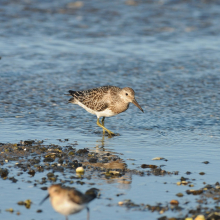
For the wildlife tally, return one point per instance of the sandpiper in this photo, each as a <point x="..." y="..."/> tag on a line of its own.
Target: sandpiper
<point x="67" y="201"/>
<point x="105" y="101"/>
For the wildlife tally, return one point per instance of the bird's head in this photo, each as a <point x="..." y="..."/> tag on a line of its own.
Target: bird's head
<point x="53" y="190"/>
<point x="128" y="95"/>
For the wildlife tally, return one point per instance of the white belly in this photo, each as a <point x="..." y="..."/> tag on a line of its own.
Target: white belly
<point x="86" y="108"/>
<point x="105" y="113"/>
<point x="68" y="208"/>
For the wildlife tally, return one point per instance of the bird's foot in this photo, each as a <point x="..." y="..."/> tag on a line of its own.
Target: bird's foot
<point x="110" y="134"/>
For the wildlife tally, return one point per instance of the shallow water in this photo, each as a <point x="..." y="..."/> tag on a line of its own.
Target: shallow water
<point x="167" y="51"/>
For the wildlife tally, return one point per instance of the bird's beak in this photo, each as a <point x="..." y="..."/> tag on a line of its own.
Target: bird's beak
<point x="135" y="103"/>
<point x="44" y="199"/>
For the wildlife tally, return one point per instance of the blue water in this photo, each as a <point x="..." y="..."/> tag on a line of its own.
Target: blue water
<point x="167" y="51"/>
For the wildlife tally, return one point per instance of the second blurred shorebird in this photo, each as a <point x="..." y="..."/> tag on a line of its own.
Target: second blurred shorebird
<point x="67" y="201"/>
<point x="105" y="101"/>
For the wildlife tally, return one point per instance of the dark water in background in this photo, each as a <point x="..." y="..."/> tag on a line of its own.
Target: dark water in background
<point x="167" y="51"/>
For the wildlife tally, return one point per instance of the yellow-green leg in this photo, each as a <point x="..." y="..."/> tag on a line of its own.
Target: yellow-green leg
<point x="104" y="128"/>
<point x="103" y="123"/>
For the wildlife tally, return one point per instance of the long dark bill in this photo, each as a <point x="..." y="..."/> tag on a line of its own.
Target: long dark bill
<point x="44" y="199"/>
<point x="135" y="103"/>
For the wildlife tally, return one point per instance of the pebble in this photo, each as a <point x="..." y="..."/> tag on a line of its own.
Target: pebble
<point x="10" y="210"/>
<point x="184" y="182"/>
<point x="114" y="172"/>
<point x="179" y="194"/>
<point x="80" y="170"/>
<point x="174" y="202"/>
<point x="158" y="158"/>
<point x="148" y="166"/>
<point x="200" y="217"/>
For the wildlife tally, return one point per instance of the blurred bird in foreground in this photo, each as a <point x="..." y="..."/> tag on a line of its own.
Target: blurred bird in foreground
<point x="67" y="201"/>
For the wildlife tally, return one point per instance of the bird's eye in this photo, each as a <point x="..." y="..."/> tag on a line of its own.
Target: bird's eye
<point x="126" y="93"/>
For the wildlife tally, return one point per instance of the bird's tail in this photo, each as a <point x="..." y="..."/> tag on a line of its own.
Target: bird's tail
<point x="92" y="194"/>
<point x="71" y="93"/>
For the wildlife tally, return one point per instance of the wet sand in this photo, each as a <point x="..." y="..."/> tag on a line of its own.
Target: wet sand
<point x="44" y="165"/>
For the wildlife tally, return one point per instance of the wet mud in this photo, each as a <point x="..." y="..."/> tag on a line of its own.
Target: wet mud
<point x="59" y="164"/>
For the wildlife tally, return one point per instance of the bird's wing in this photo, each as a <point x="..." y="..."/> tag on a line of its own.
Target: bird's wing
<point x="91" y="194"/>
<point x="76" y="197"/>
<point x="93" y="98"/>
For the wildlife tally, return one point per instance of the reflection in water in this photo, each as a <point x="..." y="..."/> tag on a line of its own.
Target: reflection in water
<point x="124" y="182"/>
<point x="115" y="170"/>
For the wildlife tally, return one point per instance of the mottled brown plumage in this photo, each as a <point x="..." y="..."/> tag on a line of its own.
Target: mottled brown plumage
<point x="97" y="99"/>
<point x="105" y="101"/>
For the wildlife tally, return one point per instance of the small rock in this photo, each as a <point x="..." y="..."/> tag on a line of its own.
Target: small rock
<point x="183" y="178"/>
<point x="93" y="160"/>
<point x="179" y="194"/>
<point x="114" y="172"/>
<point x="162" y="218"/>
<point x="31" y="172"/>
<point x="44" y="188"/>
<point x="158" y="158"/>
<point x="194" y="192"/>
<point x="4" y="172"/>
<point x="28" y="203"/>
<point x="148" y="166"/>
<point x="184" y="182"/>
<point x="200" y="217"/>
<point x="208" y="186"/>
<point x="71" y="153"/>
<point x="50" y="175"/>
<point x="82" y="151"/>
<point x="80" y="170"/>
<point x="213" y="215"/>
<point x="30" y="142"/>
<point x="21" y="203"/>
<point x="174" y="202"/>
